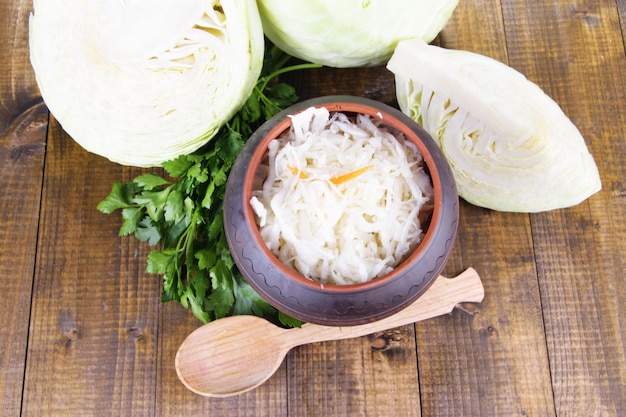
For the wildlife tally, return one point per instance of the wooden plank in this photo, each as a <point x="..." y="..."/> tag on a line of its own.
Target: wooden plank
<point x="621" y="7"/>
<point x="93" y="339"/>
<point x="23" y="121"/>
<point x="577" y="55"/>
<point x="21" y="154"/>
<point x="363" y="376"/>
<point x="17" y="80"/>
<point x="495" y="362"/>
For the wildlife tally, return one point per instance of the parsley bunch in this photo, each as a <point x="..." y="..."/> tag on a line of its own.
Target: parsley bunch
<point x="182" y="211"/>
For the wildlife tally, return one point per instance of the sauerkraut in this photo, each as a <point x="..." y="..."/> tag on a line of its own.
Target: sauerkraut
<point x="345" y="198"/>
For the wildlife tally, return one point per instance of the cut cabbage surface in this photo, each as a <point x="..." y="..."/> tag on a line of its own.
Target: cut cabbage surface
<point x="142" y="82"/>
<point x="510" y="146"/>
<point x="350" y="33"/>
<point x="344" y="199"/>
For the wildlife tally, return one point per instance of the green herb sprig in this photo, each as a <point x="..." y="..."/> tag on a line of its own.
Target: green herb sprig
<point x="182" y="211"/>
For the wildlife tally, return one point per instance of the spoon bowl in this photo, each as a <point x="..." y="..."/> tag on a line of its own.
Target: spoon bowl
<point x="204" y="361"/>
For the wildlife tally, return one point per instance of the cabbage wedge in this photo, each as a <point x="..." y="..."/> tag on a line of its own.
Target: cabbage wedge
<point x="510" y="146"/>
<point x="142" y="82"/>
<point x="350" y="33"/>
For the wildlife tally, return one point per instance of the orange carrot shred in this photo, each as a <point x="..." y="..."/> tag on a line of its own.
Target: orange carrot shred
<point x="296" y="171"/>
<point x="350" y="175"/>
<point x="335" y="180"/>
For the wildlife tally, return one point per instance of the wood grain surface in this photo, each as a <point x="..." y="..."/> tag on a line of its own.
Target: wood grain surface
<point x="84" y="332"/>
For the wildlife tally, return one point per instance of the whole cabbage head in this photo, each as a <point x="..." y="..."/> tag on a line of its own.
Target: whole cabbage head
<point x="350" y="33"/>
<point x="141" y="82"/>
<point x="510" y="146"/>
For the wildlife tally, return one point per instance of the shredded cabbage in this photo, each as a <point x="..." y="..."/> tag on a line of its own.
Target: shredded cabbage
<point x="142" y="82"/>
<point x="350" y="33"/>
<point x="510" y="146"/>
<point x="345" y="197"/>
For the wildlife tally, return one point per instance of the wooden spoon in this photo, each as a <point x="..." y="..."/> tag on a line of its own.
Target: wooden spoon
<point x="235" y="354"/>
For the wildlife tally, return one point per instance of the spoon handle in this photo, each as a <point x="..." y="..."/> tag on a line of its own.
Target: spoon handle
<point x="441" y="298"/>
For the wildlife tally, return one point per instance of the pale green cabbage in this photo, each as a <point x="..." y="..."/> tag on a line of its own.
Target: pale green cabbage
<point x="141" y="82"/>
<point x="510" y="146"/>
<point x="350" y="33"/>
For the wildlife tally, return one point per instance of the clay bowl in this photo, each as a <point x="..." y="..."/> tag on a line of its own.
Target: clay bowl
<point x="339" y="305"/>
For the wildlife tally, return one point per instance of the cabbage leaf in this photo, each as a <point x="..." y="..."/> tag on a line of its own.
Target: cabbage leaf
<point x="510" y="145"/>
<point x="350" y="33"/>
<point x="143" y="82"/>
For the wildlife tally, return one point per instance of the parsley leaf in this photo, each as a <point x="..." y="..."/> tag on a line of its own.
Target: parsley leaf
<point x="121" y="197"/>
<point x="150" y="181"/>
<point x="132" y="216"/>
<point x="183" y="211"/>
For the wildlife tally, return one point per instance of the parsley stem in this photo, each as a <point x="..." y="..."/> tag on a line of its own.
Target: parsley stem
<point x="265" y="80"/>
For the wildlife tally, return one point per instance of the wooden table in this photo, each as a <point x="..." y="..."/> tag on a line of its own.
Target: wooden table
<point x="84" y="332"/>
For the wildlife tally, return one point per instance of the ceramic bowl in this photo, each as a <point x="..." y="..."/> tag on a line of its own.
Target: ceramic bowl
<point x="339" y="305"/>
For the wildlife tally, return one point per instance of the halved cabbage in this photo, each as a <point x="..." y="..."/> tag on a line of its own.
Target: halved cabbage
<point x="510" y="146"/>
<point x="350" y="33"/>
<point x="141" y="82"/>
